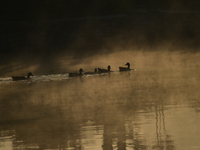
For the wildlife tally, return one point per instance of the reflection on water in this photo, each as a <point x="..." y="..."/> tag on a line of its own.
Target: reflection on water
<point x="138" y="110"/>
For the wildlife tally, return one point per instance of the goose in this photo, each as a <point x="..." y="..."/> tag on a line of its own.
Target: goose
<point x="125" y="68"/>
<point x="95" y="72"/>
<point x="104" y="70"/>
<point x="76" y="74"/>
<point x="15" y="78"/>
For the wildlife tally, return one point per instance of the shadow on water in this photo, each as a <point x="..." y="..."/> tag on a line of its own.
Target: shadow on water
<point x="125" y="110"/>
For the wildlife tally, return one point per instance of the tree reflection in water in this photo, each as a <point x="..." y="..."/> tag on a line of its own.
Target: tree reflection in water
<point x="52" y="132"/>
<point x="65" y="125"/>
<point x="163" y="139"/>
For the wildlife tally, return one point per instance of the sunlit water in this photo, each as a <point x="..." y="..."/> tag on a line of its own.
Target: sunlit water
<point x="136" y="110"/>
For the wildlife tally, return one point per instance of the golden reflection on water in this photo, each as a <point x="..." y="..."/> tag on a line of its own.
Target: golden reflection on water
<point x="127" y="110"/>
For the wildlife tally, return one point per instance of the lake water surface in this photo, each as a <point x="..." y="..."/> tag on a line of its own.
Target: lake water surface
<point x="136" y="110"/>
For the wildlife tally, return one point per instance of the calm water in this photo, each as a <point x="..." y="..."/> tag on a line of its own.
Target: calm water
<point x="137" y="110"/>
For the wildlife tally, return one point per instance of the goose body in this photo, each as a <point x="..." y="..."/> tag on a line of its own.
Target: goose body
<point x="16" y="78"/>
<point x="76" y="74"/>
<point x="104" y="70"/>
<point x="125" y="68"/>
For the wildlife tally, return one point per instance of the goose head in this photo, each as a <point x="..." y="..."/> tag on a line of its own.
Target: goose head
<point x="95" y="70"/>
<point x="109" y="67"/>
<point x="128" y="64"/>
<point x="80" y="71"/>
<point x="29" y="74"/>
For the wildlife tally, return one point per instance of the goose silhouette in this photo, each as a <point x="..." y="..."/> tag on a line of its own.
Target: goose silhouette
<point x="76" y="74"/>
<point x="104" y="70"/>
<point x="15" y="78"/>
<point x="125" y="68"/>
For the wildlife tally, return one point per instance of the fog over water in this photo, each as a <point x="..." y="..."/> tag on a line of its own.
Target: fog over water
<point x="145" y="109"/>
<point x="153" y="107"/>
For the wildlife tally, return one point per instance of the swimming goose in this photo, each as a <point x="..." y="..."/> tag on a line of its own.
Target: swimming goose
<point x="95" y="72"/>
<point x="104" y="70"/>
<point x="76" y="74"/>
<point x="15" y="78"/>
<point x="124" y="68"/>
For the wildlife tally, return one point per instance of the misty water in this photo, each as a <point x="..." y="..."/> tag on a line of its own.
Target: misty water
<point x="145" y="109"/>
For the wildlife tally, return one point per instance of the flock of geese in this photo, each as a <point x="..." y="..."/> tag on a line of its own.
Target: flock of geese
<point x="96" y="71"/>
